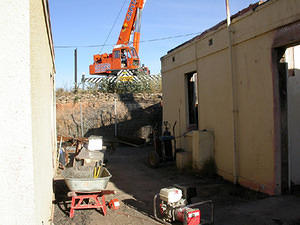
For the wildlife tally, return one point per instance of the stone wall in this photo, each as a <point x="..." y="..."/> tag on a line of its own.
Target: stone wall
<point x="96" y="112"/>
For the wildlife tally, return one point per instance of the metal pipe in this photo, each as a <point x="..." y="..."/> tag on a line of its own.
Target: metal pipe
<point x="174" y="152"/>
<point x="116" y="120"/>
<point x="288" y="121"/>
<point x="234" y="97"/>
<point x="197" y="85"/>
<point x="83" y="80"/>
<point x="154" y="211"/>
<point x="81" y="120"/>
<point x="154" y="206"/>
<point x="228" y="12"/>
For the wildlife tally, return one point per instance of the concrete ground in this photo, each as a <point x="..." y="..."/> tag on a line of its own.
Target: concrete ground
<point x="136" y="184"/>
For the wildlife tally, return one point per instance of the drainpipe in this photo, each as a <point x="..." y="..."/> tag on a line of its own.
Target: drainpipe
<point x="234" y="97"/>
<point x="197" y="82"/>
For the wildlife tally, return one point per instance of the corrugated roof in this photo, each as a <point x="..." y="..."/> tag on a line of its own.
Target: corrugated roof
<point x="240" y="13"/>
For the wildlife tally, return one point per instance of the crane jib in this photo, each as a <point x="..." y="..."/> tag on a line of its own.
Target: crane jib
<point x="130" y="11"/>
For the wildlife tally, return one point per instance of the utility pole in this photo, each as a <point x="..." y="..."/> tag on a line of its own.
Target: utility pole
<point x="75" y="68"/>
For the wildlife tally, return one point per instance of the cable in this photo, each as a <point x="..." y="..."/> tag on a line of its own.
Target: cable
<point x="116" y="19"/>
<point x="145" y="41"/>
<point x="171" y="37"/>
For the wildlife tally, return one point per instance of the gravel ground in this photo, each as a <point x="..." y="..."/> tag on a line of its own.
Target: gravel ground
<point x="136" y="184"/>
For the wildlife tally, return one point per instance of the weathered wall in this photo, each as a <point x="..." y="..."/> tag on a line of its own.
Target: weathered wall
<point x="134" y="113"/>
<point x="27" y="117"/>
<point x="16" y="170"/>
<point x="253" y="34"/>
<point x="43" y="111"/>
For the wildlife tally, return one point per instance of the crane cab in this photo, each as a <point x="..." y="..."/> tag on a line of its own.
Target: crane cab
<point x="125" y="58"/>
<point x="122" y="58"/>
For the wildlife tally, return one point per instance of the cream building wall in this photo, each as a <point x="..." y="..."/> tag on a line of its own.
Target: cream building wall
<point x="27" y="113"/>
<point x="16" y="160"/>
<point x="253" y="36"/>
<point x="43" y="109"/>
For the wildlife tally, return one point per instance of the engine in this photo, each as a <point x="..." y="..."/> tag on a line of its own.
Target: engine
<point x="173" y="207"/>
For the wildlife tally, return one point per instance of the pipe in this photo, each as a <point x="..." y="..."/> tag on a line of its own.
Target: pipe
<point x="228" y="13"/>
<point x="288" y="122"/>
<point x="81" y="120"/>
<point x="197" y="84"/>
<point x="154" y="211"/>
<point x="83" y="80"/>
<point x="174" y="152"/>
<point x="116" y="120"/>
<point x="234" y="97"/>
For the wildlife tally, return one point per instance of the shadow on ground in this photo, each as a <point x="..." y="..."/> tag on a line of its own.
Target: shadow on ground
<point x="234" y="204"/>
<point x="136" y="185"/>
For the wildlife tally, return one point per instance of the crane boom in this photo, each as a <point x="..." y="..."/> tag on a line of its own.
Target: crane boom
<point x="132" y="23"/>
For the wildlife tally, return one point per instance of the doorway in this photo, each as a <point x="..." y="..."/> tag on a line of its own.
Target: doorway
<point x="288" y="66"/>
<point x="192" y="100"/>
<point x="292" y="57"/>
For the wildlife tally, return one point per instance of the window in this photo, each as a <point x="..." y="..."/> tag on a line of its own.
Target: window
<point x="133" y="52"/>
<point x="192" y="100"/>
<point x="117" y="54"/>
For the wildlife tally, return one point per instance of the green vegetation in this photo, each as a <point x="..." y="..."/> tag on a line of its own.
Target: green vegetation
<point x="140" y="84"/>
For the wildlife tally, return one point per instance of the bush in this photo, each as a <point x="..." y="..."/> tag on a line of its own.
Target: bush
<point x="138" y="85"/>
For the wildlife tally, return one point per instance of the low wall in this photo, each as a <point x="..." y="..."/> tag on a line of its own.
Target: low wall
<point x="95" y="112"/>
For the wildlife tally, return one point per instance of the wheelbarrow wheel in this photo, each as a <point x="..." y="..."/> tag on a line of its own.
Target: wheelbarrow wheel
<point x="153" y="159"/>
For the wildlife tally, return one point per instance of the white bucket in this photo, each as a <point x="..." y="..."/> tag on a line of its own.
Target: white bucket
<point x="95" y="143"/>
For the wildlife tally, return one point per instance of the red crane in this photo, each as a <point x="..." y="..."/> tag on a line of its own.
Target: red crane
<point x="125" y="53"/>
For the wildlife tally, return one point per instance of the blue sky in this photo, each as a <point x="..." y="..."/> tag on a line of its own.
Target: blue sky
<point x="88" y="22"/>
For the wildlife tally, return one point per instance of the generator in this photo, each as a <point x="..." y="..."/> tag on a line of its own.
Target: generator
<point x="173" y="207"/>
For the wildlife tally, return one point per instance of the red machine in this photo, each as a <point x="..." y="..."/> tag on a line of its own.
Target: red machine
<point x="173" y="207"/>
<point x="124" y="55"/>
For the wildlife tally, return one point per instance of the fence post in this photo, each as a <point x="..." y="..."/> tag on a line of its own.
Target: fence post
<point x="81" y="119"/>
<point x="116" y="120"/>
<point x="83" y="80"/>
